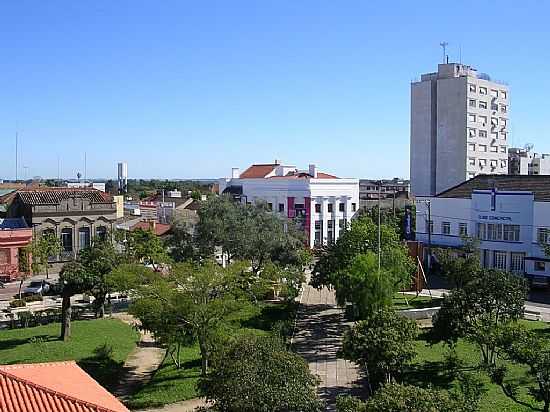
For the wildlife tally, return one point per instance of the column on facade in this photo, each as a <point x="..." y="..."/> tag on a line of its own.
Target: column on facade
<point x="324" y="219"/>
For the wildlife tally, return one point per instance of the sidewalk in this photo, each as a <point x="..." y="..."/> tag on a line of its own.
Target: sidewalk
<point x="318" y="338"/>
<point x="542" y="309"/>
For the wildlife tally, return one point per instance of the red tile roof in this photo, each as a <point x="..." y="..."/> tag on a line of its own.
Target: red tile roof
<point x="53" y="195"/>
<point x="321" y="175"/>
<point x="258" y="171"/>
<point x="53" y="387"/>
<point x="160" y="229"/>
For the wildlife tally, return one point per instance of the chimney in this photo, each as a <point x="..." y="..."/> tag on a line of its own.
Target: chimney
<point x="313" y="171"/>
<point x="235" y="173"/>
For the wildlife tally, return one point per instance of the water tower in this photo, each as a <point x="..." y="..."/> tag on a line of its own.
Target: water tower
<point x="122" y="177"/>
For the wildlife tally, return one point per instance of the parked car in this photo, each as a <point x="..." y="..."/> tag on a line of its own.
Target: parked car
<point x="37" y="287"/>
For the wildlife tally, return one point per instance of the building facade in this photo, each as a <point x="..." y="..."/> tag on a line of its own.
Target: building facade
<point x="459" y="128"/>
<point x="75" y="216"/>
<point x="509" y="215"/>
<point x="15" y="235"/>
<point x="322" y="204"/>
<point x="523" y="161"/>
<point x="386" y="188"/>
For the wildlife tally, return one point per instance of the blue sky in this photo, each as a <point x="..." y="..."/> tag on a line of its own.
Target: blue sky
<point x="189" y="89"/>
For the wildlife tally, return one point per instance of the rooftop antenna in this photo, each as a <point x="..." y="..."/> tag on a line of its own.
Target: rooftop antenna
<point x="460" y="53"/>
<point x="444" y="45"/>
<point x="58" y="170"/>
<point x="85" y="167"/>
<point x="16" y="155"/>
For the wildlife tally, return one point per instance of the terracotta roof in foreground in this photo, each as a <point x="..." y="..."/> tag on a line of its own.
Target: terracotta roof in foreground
<point x="539" y="185"/>
<point x="53" y="387"/>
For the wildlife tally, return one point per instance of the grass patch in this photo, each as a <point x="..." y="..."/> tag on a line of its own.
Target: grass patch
<point x="169" y="384"/>
<point x="405" y="301"/>
<point x="100" y="346"/>
<point x="428" y="369"/>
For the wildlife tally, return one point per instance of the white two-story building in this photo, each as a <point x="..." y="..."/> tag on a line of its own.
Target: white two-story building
<point x="510" y="215"/>
<point x="322" y="204"/>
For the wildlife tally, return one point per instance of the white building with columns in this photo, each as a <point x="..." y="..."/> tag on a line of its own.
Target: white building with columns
<point x="321" y="203"/>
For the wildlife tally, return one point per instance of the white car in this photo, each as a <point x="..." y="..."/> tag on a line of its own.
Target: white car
<point x="37" y="287"/>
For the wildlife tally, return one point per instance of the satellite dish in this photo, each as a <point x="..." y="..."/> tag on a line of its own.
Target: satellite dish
<point x="528" y="146"/>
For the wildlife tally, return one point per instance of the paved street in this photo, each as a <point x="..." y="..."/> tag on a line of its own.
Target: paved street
<point x="10" y="289"/>
<point x="319" y="330"/>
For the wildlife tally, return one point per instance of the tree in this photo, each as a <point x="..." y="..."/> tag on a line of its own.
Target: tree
<point x="480" y="310"/>
<point x="363" y="285"/>
<point x="392" y="397"/>
<point x="145" y="247"/>
<point x="525" y="347"/>
<point x="258" y="374"/>
<point x="41" y="249"/>
<point x="180" y="244"/>
<point x="460" y="266"/>
<point x="98" y="260"/>
<point x="75" y="279"/>
<point x="382" y="344"/>
<point x="248" y="232"/>
<point x="356" y="279"/>
<point x="193" y="301"/>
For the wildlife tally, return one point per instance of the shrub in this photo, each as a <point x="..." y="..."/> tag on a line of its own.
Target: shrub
<point x="18" y="303"/>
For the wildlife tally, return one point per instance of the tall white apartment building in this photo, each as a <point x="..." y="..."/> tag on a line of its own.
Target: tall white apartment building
<point x="322" y="204"/>
<point x="459" y="128"/>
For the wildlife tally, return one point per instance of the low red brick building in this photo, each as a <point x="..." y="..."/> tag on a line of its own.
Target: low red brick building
<point x="15" y="235"/>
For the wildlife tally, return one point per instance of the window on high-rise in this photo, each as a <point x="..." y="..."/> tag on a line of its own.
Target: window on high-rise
<point x="472" y="161"/>
<point x="472" y="147"/>
<point x="503" y="108"/>
<point x="503" y="163"/>
<point x="494" y="149"/>
<point x="471" y="117"/>
<point x="483" y="120"/>
<point x="471" y="132"/>
<point x="472" y="88"/>
<point x="482" y="90"/>
<point x="482" y="148"/>
<point x="446" y="228"/>
<point x="472" y="103"/>
<point x="503" y="94"/>
<point x="483" y="162"/>
<point x="482" y="104"/>
<point x="483" y="133"/>
<point x="494" y="93"/>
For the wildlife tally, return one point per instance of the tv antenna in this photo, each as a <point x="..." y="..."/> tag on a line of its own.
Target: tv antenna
<point x="444" y="45"/>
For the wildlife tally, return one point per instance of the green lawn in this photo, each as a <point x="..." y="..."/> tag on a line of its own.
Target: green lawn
<point x="428" y="369"/>
<point x="170" y="384"/>
<point x="100" y="346"/>
<point x="405" y="301"/>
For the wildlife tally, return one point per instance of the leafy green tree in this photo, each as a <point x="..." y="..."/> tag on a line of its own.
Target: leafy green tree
<point x="41" y="249"/>
<point x="99" y="259"/>
<point x="480" y="310"/>
<point x="180" y="243"/>
<point x="145" y="247"/>
<point x="460" y="266"/>
<point x="248" y="232"/>
<point x="193" y="301"/>
<point x="365" y="286"/>
<point x="381" y="344"/>
<point x="357" y="279"/>
<point x="258" y="374"/>
<point x="394" y="397"/>
<point x="526" y="347"/>
<point x="75" y="279"/>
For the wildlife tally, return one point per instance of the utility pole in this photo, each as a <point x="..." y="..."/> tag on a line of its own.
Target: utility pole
<point x="16" y="156"/>
<point x="379" y="229"/>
